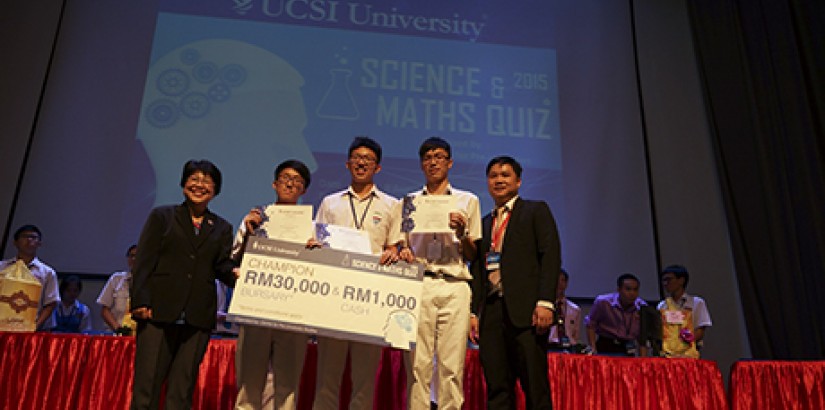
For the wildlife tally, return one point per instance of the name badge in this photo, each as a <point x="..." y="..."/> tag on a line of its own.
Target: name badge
<point x="674" y="317"/>
<point x="630" y="346"/>
<point x="493" y="261"/>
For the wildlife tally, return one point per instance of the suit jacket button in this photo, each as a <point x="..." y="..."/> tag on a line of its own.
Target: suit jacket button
<point x="191" y="256"/>
<point x="189" y="276"/>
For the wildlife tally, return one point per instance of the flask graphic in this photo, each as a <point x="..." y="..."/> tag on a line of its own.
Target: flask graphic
<point x="338" y="103"/>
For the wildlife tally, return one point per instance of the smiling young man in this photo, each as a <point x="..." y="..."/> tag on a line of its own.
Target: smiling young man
<point x="445" y="300"/>
<point x="514" y="286"/>
<point x="262" y="348"/>
<point x="364" y="207"/>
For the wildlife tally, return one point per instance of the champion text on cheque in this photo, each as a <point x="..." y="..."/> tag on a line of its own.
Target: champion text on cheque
<point x="329" y="292"/>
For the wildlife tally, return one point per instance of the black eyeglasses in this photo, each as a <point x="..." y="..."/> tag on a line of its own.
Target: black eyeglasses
<point x="435" y="158"/>
<point x="203" y="180"/>
<point x="366" y="158"/>
<point x="296" y="179"/>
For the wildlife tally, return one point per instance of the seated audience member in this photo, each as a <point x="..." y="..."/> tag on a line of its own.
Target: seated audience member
<point x="614" y="320"/>
<point x="564" y="334"/>
<point x="684" y="317"/>
<point x="27" y="239"/>
<point x="70" y="315"/>
<point x="114" y="298"/>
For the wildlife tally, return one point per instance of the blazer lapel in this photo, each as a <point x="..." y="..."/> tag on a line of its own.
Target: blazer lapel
<point x="207" y="226"/>
<point x="514" y="220"/>
<point x="486" y="228"/>
<point x="184" y="220"/>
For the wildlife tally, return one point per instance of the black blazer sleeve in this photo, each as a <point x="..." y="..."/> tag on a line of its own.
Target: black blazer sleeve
<point x="149" y="245"/>
<point x="478" y="284"/>
<point x="549" y="251"/>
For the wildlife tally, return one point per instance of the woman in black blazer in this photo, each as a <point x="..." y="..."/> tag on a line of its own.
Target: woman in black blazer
<point x="182" y="250"/>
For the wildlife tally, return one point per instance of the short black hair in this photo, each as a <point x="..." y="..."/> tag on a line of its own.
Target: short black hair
<point x="505" y="160"/>
<point x="678" y="271"/>
<point x="27" y="228"/>
<point x="625" y="276"/>
<point x="434" y="143"/>
<point x="68" y="280"/>
<point x="130" y="250"/>
<point x="366" y="142"/>
<point x="564" y="273"/>
<point x="205" y="166"/>
<point x="298" y="166"/>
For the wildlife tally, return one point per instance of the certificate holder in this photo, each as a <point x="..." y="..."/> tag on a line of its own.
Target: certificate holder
<point x="432" y="213"/>
<point x="343" y="238"/>
<point x="292" y="223"/>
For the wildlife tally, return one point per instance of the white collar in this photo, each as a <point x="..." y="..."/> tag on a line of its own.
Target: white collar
<point x="507" y="205"/>
<point x="373" y="192"/>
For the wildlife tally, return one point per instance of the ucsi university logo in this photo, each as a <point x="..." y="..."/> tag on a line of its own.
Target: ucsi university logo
<point x="315" y="10"/>
<point x="365" y="14"/>
<point x="242" y="6"/>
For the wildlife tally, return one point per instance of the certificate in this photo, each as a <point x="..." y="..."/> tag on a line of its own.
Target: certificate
<point x="291" y="223"/>
<point x="431" y="213"/>
<point x="343" y="238"/>
<point x="328" y="292"/>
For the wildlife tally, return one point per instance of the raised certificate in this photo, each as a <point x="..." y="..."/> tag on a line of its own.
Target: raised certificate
<point x="431" y="213"/>
<point x="343" y="238"/>
<point x="291" y="223"/>
<point x="328" y="292"/>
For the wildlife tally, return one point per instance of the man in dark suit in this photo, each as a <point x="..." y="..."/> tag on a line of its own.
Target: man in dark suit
<point x="182" y="250"/>
<point x="514" y="284"/>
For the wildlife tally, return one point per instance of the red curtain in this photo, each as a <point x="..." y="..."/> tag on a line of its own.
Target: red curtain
<point x="586" y="382"/>
<point x="40" y="370"/>
<point x="777" y="385"/>
<point x="216" y="380"/>
<point x="95" y="372"/>
<point x="106" y="380"/>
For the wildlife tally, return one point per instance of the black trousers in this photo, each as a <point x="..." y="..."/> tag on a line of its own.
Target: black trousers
<point x="510" y="353"/>
<point x="170" y="352"/>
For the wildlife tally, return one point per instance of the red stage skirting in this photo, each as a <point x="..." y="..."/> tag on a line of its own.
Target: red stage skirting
<point x="94" y="372"/>
<point x="777" y="385"/>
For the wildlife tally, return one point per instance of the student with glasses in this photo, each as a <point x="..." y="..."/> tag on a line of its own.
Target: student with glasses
<point x="444" y="318"/>
<point x="27" y="240"/>
<point x="261" y="349"/>
<point x="685" y="317"/>
<point x="364" y="207"/>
